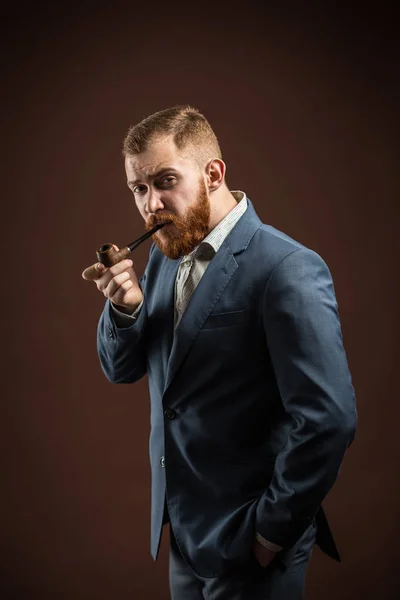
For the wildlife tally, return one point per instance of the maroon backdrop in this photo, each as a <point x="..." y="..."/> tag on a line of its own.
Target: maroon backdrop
<point x="304" y="105"/>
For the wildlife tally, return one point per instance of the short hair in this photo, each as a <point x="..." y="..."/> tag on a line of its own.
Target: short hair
<point x="189" y="127"/>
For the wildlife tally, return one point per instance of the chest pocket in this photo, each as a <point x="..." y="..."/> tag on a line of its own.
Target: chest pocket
<point x="226" y="319"/>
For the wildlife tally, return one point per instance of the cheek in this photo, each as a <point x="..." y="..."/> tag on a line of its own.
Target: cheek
<point x="140" y="207"/>
<point x="173" y="203"/>
<point x="180" y="202"/>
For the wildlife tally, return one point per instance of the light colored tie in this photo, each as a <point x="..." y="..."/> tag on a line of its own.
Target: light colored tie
<point x="191" y="270"/>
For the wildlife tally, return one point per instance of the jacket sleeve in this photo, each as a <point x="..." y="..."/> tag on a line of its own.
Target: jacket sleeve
<point x="305" y="343"/>
<point x="122" y="350"/>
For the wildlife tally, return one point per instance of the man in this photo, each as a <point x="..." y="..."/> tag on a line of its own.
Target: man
<point x="252" y="406"/>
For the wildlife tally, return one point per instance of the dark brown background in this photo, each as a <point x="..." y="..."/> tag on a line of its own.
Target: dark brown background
<point x="304" y="104"/>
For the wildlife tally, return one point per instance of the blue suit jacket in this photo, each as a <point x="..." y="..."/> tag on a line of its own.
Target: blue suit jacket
<point x="252" y="406"/>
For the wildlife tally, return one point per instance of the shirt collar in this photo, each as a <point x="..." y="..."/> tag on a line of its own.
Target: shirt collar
<point x="213" y="241"/>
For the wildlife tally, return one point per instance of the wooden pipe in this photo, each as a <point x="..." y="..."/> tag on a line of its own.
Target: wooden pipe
<point x="108" y="256"/>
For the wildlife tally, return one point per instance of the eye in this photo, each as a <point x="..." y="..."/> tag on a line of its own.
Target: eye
<point x="168" y="181"/>
<point x="138" y="189"/>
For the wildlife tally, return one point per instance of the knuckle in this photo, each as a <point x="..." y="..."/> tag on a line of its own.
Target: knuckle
<point x="114" y="270"/>
<point x="121" y="277"/>
<point x="120" y="267"/>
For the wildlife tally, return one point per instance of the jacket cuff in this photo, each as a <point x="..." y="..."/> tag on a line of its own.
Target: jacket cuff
<point x="123" y="319"/>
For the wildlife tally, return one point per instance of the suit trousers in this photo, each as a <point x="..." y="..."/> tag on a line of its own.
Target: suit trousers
<point x="252" y="581"/>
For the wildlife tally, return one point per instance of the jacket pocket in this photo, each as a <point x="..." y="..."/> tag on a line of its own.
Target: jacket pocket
<point x="227" y="319"/>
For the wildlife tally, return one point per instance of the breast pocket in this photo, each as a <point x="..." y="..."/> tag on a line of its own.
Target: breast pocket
<point x="226" y="319"/>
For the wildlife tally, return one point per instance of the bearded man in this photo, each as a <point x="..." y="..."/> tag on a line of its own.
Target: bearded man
<point x="252" y="406"/>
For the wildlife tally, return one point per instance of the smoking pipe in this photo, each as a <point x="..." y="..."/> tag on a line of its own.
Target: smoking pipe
<point x="108" y="256"/>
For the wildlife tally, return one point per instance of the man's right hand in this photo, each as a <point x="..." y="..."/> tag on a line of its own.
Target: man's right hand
<point x="120" y="284"/>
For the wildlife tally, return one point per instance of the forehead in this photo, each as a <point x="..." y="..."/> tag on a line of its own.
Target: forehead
<point x="159" y="155"/>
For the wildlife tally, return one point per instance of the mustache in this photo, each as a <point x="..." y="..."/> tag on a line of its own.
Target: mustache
<point x="154" y="220"/>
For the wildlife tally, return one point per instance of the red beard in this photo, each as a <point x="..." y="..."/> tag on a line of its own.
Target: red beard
<point x="192" y="228"/>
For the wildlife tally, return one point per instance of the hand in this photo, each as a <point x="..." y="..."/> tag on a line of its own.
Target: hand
<point x="120" y="284"/>
<point x="263" y="554"/>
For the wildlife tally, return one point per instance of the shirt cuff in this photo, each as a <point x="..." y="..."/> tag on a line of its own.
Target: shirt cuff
<point x="267" y="544"/>
<point x="123" y="319"/>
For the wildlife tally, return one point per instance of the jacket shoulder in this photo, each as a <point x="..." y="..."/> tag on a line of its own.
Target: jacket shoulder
<point x="273" y="245"/>
<point x="270" y="236"/>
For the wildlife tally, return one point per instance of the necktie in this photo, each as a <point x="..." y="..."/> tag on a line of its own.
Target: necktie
<point x="191" y="270"/>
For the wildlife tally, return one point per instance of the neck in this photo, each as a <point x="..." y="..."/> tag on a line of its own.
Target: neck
<point x="222" y="202"/>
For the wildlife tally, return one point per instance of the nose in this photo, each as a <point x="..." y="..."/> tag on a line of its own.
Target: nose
<point x="153" y="202"/>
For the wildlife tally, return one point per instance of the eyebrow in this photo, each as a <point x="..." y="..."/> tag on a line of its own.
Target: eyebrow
<point x="154" y="175"/>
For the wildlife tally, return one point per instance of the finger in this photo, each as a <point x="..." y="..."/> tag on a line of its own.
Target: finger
<point x="124" y="266"/>
<point x="101" y="269"/>
<point x="103" y="278"/>
<point x="115" y="283"/>
<point x="91" y="273"/>
<point x="120" y="266"/>
<point x="118" y="297"/>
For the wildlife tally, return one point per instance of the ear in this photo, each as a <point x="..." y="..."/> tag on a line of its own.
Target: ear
<point x="215" y="174"/>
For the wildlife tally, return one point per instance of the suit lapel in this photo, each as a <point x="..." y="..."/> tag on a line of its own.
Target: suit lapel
<point x="163" y="290"/>
<point x="210" y="287"/>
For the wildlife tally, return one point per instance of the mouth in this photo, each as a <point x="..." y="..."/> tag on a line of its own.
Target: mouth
<point x="155" y="228"/>
<point x="165" y="224"/>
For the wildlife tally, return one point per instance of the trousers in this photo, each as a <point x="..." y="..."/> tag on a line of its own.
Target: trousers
<point x="252" y="581"/>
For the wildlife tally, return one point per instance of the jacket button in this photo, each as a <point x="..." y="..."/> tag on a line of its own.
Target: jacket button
<point x="169" y="414"/>
<point x="162" y="461"/>
<point x="110" y="333"/>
